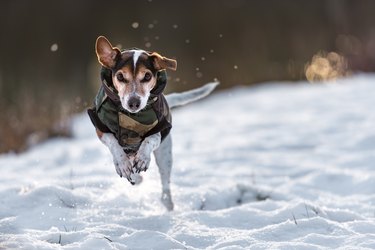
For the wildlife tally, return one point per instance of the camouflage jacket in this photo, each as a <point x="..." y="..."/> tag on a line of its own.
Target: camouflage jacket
<point x="130" y="129"/>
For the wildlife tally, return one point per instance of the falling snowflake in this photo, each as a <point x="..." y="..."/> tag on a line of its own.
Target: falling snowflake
<point x="135" y="25"/>
<point x="54" y="47"/>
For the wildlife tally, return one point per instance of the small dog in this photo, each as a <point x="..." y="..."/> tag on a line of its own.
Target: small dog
<point x="132" y="116"/>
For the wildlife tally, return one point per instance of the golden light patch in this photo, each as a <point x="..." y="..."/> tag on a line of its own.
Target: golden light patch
<point x="326" y="66"/>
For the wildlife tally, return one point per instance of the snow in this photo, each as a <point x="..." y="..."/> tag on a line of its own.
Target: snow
<point x="279" y="166"/>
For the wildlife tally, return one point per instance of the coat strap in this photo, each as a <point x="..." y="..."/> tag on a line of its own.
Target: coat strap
<point x="112" y="95"/>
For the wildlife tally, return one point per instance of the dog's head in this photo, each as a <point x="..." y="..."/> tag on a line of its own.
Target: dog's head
<point x="133" y="72"/>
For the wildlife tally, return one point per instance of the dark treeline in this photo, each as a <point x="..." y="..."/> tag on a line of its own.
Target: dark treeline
<point x="48" y="66"/>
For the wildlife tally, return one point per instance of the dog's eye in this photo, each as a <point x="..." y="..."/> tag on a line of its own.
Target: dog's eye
<point x="147" y="77"/>
<point x="120" y="77"/>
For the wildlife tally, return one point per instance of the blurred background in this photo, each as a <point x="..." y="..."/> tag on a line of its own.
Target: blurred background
<point x="48" y="66"/>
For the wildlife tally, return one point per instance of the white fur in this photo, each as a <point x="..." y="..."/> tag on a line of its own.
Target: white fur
<point x="120" y="159"/>
<point x="143" y="156"/>
<point x="128" y="165"/>
<point x="144" y="100"/>
<point x="164" y="160"/>
<point x="124" y="102"/>
<point x="125" y="99"/>
<point x="136" y="54"/>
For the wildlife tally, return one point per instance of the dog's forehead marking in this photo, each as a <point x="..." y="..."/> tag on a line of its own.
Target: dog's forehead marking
<point x="136" y="54"/>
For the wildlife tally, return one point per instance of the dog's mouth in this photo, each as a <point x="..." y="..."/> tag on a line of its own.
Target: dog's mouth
<point x="133" y="110"/>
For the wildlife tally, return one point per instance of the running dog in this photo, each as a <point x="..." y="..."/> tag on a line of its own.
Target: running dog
<point x="132" y="116"/>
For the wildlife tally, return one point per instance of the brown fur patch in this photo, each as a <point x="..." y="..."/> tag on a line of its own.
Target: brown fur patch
<point x="143" y="87"/>
<point x="99" y="133"/>
<point x="126" y="87"/>
<point x="162" y="62"/>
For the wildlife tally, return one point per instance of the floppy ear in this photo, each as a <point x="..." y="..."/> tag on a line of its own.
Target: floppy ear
<point x="161" y="62"/>
<point x="105" y="52"/>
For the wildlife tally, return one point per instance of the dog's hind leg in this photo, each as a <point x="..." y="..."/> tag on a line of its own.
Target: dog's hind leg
<point x="163" y="158"/>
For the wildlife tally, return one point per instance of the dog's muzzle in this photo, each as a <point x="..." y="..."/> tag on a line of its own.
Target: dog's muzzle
<point x="134" y="103"/>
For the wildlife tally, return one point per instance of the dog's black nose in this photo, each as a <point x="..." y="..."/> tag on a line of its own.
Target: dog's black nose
<point x="134" y="102"/>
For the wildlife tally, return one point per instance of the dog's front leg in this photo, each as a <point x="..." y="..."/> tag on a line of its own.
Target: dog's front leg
<point x="120" y="159"/>
<point x="143" y="157"/>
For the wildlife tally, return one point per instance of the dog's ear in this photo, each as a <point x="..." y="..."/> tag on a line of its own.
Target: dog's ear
<point x="161" y="62"/>
<point x="106" y="52"/>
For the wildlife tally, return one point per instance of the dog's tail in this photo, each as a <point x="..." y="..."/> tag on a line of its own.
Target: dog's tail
<point x="180" y="99"/>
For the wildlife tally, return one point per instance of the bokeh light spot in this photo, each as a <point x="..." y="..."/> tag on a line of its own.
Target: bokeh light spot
<point x="135" y="25"/>
<point x="326" y="66"/>
<point x="54" y="47"/>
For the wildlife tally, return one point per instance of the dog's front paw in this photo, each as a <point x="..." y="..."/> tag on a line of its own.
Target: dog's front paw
<point x="141" y="162"/>
<point x="123" y="167"/>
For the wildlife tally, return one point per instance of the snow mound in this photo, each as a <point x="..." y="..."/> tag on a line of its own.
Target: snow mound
<point x="280" y="166"/>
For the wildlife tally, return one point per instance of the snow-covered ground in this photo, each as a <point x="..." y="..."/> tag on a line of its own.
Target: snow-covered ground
<point x="278" y="166"/>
